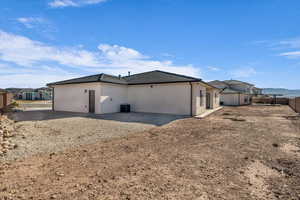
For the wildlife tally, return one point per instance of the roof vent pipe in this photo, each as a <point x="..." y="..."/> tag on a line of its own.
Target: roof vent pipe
<point x="128" y="73"/>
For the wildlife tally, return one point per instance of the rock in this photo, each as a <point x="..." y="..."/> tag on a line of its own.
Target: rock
<point x="59" y="174"/>
<point x="275" y="145"/>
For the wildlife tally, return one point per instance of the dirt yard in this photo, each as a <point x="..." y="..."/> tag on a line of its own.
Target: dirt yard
<point x="250" y="152"/>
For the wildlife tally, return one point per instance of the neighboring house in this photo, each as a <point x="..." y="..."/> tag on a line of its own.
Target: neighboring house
<point x="231" y="97"/>
<point x="149" y="92"/>
<point x="241" y="86"/>
<point x="35" y="94"/>
<point x="235" y="93"/>
<point x="6" y="98"/>
<point x="257" y="91"/>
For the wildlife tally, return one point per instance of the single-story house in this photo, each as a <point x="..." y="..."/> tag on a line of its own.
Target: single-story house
<point x="235" y="93"/>
<point x="34" y="94"/>
<point x="257" y="91"/>
<point x="231" y="97"/>
<point x="149" y="92"/>
<point x="6" y="98"/>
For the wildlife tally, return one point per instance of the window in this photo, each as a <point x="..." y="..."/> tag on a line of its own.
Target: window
<point x="201" y="98"/>
<point x="28" y="96"/>
<point x="216" y="96"/>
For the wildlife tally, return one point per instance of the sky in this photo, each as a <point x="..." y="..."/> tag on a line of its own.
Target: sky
<point x="257" y="41"/>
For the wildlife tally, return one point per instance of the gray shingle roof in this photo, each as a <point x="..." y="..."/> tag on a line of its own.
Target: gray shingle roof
<point x="158" y="77"/>
<point x="230" y="91"/>
<point x="218" y="84"/>
<point x="237" y="82"/>
<point x="142" y="78"/>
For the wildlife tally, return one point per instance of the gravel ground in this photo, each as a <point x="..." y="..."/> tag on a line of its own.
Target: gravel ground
<point x="49" y="132"/>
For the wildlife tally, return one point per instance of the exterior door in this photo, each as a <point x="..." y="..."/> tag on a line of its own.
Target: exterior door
<point x="208" y="100"/>
<point x="5" y="99"/>
<point x="92" y="101"/>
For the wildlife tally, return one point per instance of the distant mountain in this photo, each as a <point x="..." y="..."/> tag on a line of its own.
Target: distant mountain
<point x="13" y="90"/>
<point x="284" y="92"/>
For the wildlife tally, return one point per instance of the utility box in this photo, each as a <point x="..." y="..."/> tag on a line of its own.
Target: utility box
<point x="125" y="108"/>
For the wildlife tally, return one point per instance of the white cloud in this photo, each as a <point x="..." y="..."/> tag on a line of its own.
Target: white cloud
<point x="292" y="54"/>
<point x="26" y="52"/>
<point x="167" y="55"/>
<point x="213" y="68"/>
<point x="290" y="43"/>
<point x="31" y="22"/>
<point x="112" y="59"/>
<point x="11" y="76"/>
<point x="243" y="72"/>
<point x="73" y="3"/>
<point x="30" y="80"/>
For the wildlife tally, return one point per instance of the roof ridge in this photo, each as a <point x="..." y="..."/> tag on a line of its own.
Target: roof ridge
<point x="100" y="76"/>
<point x="179" y="75"/>
<point x="239" y="81"/>
<point x="170" y="73"/>
<point x="138" y="74"/>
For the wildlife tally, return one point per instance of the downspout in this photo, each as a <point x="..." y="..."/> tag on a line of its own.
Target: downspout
<point x="191" y="107"/>
<point x="239" y="98"/>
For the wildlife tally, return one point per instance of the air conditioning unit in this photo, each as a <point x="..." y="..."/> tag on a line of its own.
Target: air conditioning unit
<point x="125" y="108"/>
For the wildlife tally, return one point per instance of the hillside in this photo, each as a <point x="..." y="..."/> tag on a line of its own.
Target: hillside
<point x="283" y="91"/>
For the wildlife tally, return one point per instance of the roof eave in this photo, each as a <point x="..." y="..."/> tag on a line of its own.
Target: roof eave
<point x="160" y="82"/>
<point x="56" y="84"/>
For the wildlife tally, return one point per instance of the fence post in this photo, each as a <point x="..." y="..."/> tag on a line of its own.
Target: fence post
<point x="296" y="104"/>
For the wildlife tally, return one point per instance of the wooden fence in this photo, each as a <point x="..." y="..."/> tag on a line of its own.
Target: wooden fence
<point x="269" y="100"/>
<point x="295" y="104"/>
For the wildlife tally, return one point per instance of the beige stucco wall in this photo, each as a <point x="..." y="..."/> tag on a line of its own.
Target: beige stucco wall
<point x="230" y="99"/>
<point x="73" y="97"/>
<point x="234" y="99"/>
<point x="199" y="103"/>
<point x="172" y="98"/>
<point x="112" y="96"/>
<point x="216" y="98"/>
<point x="10" y="98"/>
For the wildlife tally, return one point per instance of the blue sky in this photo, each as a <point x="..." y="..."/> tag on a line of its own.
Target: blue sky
<point x="49" y="40"/>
